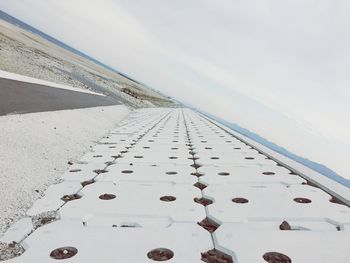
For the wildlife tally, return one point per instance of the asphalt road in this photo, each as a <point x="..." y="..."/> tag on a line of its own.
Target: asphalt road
<point x="22" y="97"/>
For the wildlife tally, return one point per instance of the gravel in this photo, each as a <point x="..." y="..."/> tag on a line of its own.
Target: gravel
<point x="8" y="251"/>
<point x="35" y="149"/>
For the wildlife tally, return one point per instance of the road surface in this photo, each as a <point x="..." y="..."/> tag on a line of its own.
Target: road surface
<point x="22" y="97"/>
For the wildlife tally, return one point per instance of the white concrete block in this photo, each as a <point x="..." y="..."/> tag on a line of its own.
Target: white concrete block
<point x="143" y="199"/>
<point x="247" y="244"/>
<point x="18" y="231"/>
<point x="241" y="202"/>
<point x="171" y="173"/>
<point x="107" y="244"/>
<point x="52" y="199"/>
<point x="247" y="174"/>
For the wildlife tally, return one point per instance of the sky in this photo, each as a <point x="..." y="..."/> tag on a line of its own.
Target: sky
<point x="277" y="68"/>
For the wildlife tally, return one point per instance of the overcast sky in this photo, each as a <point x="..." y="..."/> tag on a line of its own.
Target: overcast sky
<point x="278" y="68"/>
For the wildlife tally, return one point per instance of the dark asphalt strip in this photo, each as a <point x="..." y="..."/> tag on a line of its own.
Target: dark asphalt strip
<point x="23" y="97"/>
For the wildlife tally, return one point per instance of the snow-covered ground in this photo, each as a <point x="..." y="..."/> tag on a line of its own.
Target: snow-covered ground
<point x="36" y="148"/>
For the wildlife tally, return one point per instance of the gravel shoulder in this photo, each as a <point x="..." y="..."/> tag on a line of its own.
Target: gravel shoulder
<point x="36" y="147"/>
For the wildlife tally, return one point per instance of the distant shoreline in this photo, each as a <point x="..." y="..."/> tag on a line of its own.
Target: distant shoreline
<point x="320" y="168"/>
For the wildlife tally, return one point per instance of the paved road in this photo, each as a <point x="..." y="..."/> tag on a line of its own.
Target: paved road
<point x="23" y="97"/>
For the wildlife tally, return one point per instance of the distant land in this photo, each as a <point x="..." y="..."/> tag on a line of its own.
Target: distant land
<point x="320" y="168"/>
<point x="10" y="19"/>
